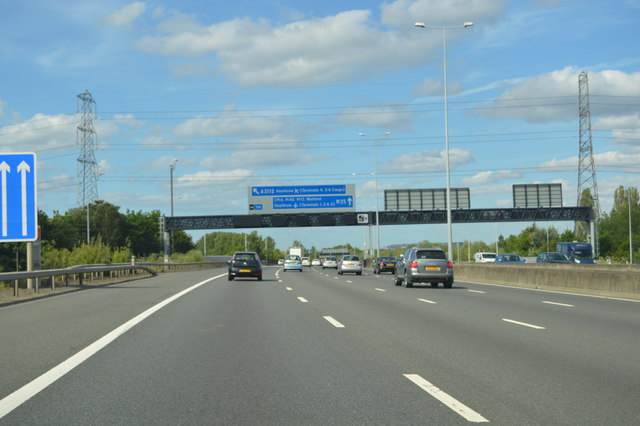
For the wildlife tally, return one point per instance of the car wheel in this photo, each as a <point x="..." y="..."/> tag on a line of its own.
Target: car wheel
<point x="300" y="269"/>
<point x="434" y="285"/>
<point x="230" y="277"/>
<point x="448" y="283"/>
<point x="259" y="277"/>
<point x="396" y="281"/>
<point x="358" y="273"/>
<point x="408" y="282"/>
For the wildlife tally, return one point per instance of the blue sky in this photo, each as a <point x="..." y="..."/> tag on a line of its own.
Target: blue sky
<point x="277" y="92"/>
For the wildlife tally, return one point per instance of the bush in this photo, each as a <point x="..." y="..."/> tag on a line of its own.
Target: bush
<point x="121" y="255"/>
<point x="86" y="254"/>
<point x="188" y="257"/>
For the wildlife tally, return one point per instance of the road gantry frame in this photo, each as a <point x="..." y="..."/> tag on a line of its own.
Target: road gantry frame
<point x="409" y="217"/>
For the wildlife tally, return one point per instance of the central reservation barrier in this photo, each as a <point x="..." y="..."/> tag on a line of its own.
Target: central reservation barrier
<point x="621" y="281"/>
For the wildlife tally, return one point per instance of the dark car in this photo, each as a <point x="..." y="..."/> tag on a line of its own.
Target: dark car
<point x="424" y="265"/>
<point x="553" y="257"/>
<point x="384" y="264"/>
<point x="245" y="264"/>
<point x="509" y="258"/>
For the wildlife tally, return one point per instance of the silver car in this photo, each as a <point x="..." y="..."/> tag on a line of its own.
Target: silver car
<point x="424" y="265"/>
<point x="330" y="262"/>
<point x="350" y="263"/>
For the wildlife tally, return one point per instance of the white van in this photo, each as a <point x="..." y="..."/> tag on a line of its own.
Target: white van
<point x="485" y="257"/>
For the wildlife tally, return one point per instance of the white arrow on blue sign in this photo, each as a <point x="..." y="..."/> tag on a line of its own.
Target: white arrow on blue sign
<point x="18" y="197"/>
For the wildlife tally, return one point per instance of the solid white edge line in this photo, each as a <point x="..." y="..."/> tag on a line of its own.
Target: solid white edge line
<point x="20" y="396"/>
<point x="302" y="299"/>
<point x="477" y="291"/>
<point x="428" y="301"/>
<point x="537" y="327"/>
<point x="334" y="322"/>
<point x="446" y="399"/>
<point x="558" y="304"/>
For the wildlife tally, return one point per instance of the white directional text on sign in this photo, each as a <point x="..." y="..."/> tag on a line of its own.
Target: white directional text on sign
<point x="18" y="198"/>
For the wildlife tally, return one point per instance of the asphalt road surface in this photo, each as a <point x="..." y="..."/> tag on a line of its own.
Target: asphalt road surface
<point x="315" y="348"/>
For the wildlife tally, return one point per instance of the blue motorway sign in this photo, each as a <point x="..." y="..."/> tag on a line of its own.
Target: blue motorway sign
<point x="274" y="191"/>
<point x="18" y="198"/>
<point x="322" y="202"/>
<point x="301" y="199"/>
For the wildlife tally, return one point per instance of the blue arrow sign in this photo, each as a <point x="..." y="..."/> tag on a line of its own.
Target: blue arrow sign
<point x="18" y="199"/>
<point x="275" y="191"/>
<point x="311" y="202"/>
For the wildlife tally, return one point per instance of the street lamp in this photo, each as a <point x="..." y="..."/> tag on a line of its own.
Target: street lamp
<point x="375" y="157"/>
<point x="172" y="167"/>
<point x="446" y="124"/>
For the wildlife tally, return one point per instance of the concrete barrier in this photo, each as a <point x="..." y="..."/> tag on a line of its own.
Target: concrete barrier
<point x="601" y="280"/>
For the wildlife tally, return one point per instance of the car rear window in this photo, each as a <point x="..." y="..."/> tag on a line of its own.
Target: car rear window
<point x="431" y="254"/>
<point x="247" y="257"/>
<point x="351" y="258"/>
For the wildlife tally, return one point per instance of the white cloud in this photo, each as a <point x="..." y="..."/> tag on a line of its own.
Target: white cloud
<point x="300" y="53"/>
<point x="402" y="13"/>
<point x="620" y="123"/>
<point x="41" y="132"/>
<point x="397" y="117"/>
<point x="258" y="154"/>
<point x="554" y="96"/>
<point x="487" y="177"/>
<point x="205" y="178"/>
<point x="610" y="158"/>
<point x="232" y="123"/>
<point x="124" y="18"/>
<point x="427" y="161"/>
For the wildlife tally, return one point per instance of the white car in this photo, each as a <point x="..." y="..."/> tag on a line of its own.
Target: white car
<point x="316" y="262"/>
<point x="306" y="261"/>
<point x="484" y="257"/>
<point x="330" y="262"/>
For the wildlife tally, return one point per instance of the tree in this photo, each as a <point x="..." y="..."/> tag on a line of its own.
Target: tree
<point x="67" y="230"/>
<point x="614" y="227"/>
<point x="143" y="232"/>
<point x="106" y="221"/>
<point x="182" y="242"/>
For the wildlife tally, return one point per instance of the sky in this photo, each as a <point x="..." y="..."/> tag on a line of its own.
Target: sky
<point x="283" y="92"/>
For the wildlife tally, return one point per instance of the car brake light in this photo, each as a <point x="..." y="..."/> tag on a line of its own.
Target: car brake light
<point x="413" y="264"/>
<point x="449" y="265"/>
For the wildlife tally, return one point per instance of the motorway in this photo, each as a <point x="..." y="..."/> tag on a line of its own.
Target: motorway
<point x="316" y="348"/>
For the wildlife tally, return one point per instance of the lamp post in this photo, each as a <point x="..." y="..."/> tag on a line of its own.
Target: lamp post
<point x="446" y="125"/>
<point x="630" y="231"/>
<point x="172" y="167"/>
<point x="375" y="158"/>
